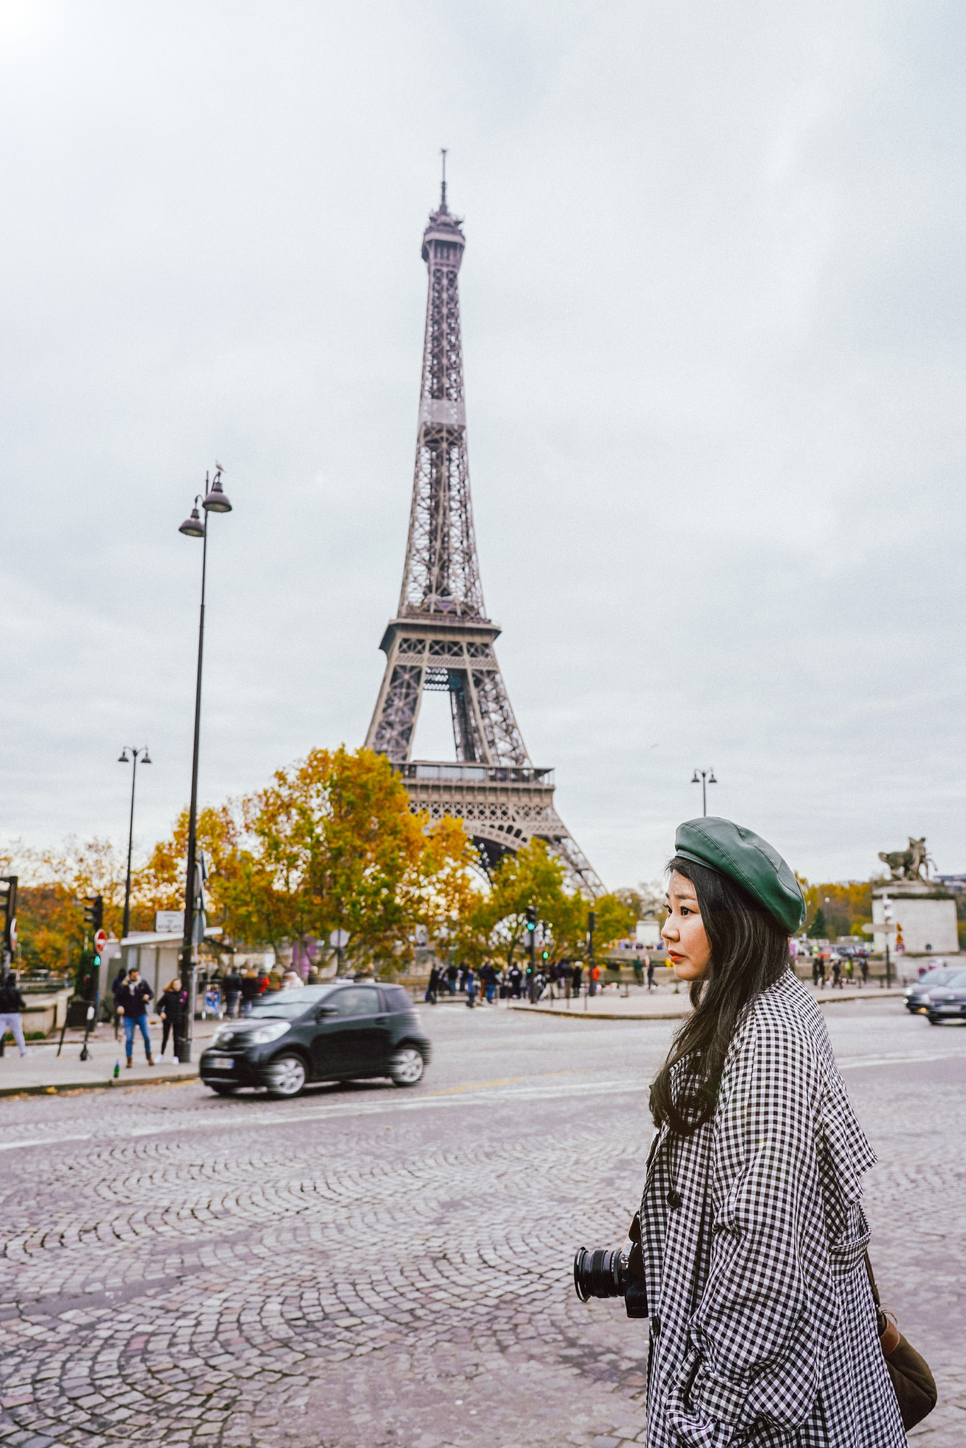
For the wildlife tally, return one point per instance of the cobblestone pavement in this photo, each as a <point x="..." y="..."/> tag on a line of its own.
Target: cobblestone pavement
<point x="374" y="1268"/>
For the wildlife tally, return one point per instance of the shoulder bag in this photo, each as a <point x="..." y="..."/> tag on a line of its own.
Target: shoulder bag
<point x="912" y="1380"/>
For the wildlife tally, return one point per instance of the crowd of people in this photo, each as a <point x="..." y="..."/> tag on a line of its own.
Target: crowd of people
<point x="549" y="980"/>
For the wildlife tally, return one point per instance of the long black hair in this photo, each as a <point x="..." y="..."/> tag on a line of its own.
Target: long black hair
<point x="749" y="951"/>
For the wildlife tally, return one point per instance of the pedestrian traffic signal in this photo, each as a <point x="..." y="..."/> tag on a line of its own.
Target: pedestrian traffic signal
<point x="531" y="917"/>
<point x="94" y="911"/>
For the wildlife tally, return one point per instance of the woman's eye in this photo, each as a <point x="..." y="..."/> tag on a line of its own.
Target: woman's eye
<point x="685" y="910"/>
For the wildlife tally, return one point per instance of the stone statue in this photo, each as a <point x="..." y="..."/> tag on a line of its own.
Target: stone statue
<point x="907" y="864"/>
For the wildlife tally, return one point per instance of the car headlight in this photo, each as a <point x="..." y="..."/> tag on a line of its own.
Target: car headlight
<point x="220" y="1033"/>
<point x="269" y="1032"/>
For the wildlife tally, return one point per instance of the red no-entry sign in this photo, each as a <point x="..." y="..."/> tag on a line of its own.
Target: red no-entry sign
<point x="100" y="940"/>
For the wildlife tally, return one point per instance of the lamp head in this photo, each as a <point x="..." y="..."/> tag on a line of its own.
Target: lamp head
<point x="711" y="778"/>
<point x="146" y="757"/>
<point x="193" y="527"/>
<point x="694" y="778"/>
<point x="216" y="500"/>
<point x="122" y="757"/>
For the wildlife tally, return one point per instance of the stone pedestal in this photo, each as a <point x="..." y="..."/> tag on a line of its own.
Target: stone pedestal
<point x="927" y="916"/>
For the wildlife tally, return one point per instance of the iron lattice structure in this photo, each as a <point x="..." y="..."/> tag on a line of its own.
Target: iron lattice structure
<point x="441" y="638"/>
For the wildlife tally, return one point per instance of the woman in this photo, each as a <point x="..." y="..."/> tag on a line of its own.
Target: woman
<point x="171" y="1009"/>
<point x="12" y="1004"/>
<point x="763" y="1328"/>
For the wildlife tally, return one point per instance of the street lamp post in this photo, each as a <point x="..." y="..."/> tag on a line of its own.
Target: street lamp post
<point x="214" y="501"/>
<point x="135" y="755"/>
<point x="704" y="777"/>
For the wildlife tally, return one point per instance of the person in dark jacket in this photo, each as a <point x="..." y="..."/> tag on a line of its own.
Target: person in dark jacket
<point x="171" y="1009"/>
<point x="451" y="975"/>
<point x="233" y="990"/>
<point x="11" y="1005"/>
<point x="432" y="989"/>
<point x="132" y="1004"/>
<point x="488" y="979"/>
<point x="249" y="990"/>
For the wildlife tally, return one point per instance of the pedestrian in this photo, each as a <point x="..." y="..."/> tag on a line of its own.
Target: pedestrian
<point x="249" y="991"/>
<point x="273" y="980"/>
<point x="836" y="972"/>
<point x="762" y="1317"/>
<point x="488" y="980"/>
<point x="469" y="985"/>
<point x="515" y="977"/>
<point x="233" y="989"/>
<point x="575" y="978"/>
<point x="12" y="1004"/>
<point x="864" y="968"/>
<point x="451" y="974"/>
<point x="291" y="980"/>
<point x="639" y="964"/>
<point x="171" y="1009"/>
<point x="432" y="989"/>
<point x="132" y="1004"/>
<point x="264" y="981"/>
<point x="651" y="982"/>
<point x="593" y="976"/>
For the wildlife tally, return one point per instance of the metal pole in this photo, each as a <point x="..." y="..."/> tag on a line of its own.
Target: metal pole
<point x="591" y="922"/>
<point x="130" y="845"/>
<point x="704" y="795"/>
<point x="187" y="945"/>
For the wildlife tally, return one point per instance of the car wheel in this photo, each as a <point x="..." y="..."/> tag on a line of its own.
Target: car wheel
<point x="285" y="1076"/>
<point x="406" y="1066"/>
<point x="221" y="1090"/>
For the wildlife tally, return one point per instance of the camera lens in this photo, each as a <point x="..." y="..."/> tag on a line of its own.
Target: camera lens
<point x="601" y="1273"/>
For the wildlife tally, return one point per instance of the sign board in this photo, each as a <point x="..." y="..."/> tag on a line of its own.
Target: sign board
<point x="339" y="939"/>
<point x="169" y="922"/>
<point x="100" y="940"/>
<point x="880" y="927"/>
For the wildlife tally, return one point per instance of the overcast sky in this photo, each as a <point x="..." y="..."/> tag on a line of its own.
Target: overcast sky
<point x="713" y="331"/>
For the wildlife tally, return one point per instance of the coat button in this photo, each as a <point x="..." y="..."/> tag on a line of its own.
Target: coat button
<point x="674" y="1198"/>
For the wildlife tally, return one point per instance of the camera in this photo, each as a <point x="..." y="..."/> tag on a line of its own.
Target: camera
<point x="614" y="1272"/>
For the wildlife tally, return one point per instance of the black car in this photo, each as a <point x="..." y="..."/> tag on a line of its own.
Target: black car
<point x="917" y="996"/>
<point x="337" y="1032"/>
<point x="947" y="1002"/>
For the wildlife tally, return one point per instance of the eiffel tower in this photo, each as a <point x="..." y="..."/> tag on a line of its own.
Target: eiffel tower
<point x="441" y="638"/>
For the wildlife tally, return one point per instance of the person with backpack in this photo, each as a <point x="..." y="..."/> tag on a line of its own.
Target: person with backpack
<point x="249" y="991"/>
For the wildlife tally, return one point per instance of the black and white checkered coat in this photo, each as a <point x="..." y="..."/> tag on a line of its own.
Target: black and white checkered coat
<point x="762" y="1322"/>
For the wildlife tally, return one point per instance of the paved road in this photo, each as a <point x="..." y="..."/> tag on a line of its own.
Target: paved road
<point x="375" y="1268"/>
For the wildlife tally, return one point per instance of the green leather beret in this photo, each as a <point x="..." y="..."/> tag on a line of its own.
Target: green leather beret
<point x="748" y="860"/>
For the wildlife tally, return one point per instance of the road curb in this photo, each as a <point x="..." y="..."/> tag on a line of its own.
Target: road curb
<point x="826" y="999"/>
<point x="52" y="1088"/>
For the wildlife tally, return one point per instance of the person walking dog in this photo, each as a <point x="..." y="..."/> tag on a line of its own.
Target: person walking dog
<point x="762" y="1320"/>
<point x="132" y="1004"/>
<point x="12" y="1004"/>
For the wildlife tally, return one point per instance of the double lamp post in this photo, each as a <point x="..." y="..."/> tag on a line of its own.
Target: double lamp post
<point x="196" y="526"/>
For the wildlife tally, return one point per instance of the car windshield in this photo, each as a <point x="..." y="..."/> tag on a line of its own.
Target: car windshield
<point x="285" y="1005"/>
<point x="954" y="978"/>
<point x="939" y="976"/>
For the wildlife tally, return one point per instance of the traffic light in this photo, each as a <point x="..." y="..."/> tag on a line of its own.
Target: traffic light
<point x="94" y="911"/>
<point x="531" y="917"/>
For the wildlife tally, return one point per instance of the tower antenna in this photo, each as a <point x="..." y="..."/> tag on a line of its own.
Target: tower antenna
<point x="442" y="203"/>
